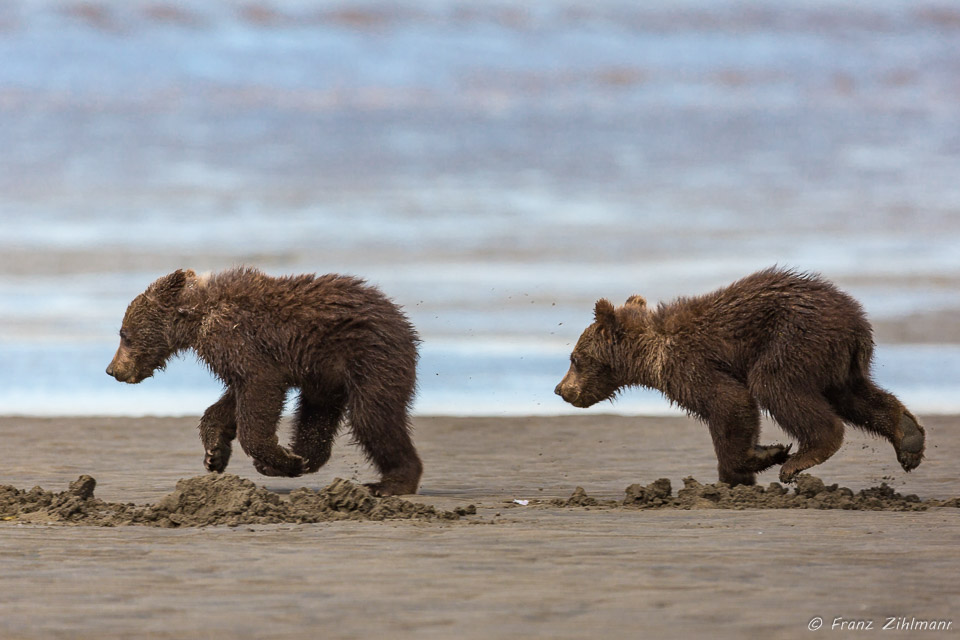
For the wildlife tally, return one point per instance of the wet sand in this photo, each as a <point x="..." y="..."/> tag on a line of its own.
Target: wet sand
<point x="509" y="571"/>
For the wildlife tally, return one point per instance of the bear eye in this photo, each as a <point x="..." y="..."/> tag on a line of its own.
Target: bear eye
<point x="123" y="335"/>
<point x="575" y="361"/>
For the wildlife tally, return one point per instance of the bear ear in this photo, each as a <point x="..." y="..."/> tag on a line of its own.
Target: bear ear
<point x="606" y="317"/>
<point x="636" y="301"/>
<point x="169" y="287"/>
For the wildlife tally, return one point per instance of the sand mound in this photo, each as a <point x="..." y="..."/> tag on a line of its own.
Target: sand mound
<point x="809" y="493"/>
<point x="214" y="500"/>
<point x="227" y="499"/>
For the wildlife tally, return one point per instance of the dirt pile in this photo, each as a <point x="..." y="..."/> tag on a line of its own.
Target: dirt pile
<point x="214" y="500"/>
<point x="809" y="493"/>
<point x="76" y="502"/>
<point x="227" y="499"/>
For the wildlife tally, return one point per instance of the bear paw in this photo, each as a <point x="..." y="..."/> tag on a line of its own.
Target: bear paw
<point x="391" y="488"/>
<point x="290" y="466"/>
<point x="216" y="459"/>
<point x="779" y="454"/>
<point x="910" y="449"/>
<point x="762" y="457"/>
<point x="311" y="466"/>
<point x="789" y="472"/>
<point x="909" y="461"/>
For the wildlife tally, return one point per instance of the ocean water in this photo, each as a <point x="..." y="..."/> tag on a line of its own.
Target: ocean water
<point x="494" y="168"/>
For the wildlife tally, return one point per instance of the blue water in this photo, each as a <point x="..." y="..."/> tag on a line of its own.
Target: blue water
<point x="505" y="378"/>
<point x="493" y="167"/>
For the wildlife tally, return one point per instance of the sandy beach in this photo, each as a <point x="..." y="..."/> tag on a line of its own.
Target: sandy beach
<point x="509" y="571"/>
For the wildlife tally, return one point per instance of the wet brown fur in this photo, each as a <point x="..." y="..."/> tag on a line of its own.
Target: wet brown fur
<point x="349" y="350"/>
<point x="787" y="343"/>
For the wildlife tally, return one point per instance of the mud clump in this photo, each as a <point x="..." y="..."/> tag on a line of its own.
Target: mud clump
<point x="656" y="493"/>
<point x="581" y="499"/>
<point x="809" y="493"/>
<point x="75" y="504"/>
<point x="214" y="500"/>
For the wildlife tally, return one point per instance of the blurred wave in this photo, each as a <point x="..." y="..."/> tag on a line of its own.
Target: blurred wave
<point x="494" y="167"/>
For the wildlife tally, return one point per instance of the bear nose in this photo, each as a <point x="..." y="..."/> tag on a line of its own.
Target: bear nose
<point x="110" y="369"/>
<point x="557" y="391"/>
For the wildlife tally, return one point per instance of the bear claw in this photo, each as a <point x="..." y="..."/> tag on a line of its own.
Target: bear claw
<point x="215" y="460"/>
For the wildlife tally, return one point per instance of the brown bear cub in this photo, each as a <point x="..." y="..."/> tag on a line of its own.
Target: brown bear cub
<point x="788" y="343"/>
<point x="349" y="350"/>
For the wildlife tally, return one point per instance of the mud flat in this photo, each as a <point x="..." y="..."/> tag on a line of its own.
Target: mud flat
<point x="211" y="500"/>
<point x="691" y="559"/>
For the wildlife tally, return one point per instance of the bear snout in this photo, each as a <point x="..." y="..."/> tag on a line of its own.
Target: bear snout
<point x="123" y="367"/>
<point x="120" y="376"/>
<point x="569" y="392"/>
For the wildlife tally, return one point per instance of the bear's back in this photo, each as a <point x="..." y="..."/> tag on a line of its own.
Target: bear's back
<point x="299" y="324"/>
<point x="323" y="298"/>
<point x="779" y="299"/>
<point x="799" y="315"/>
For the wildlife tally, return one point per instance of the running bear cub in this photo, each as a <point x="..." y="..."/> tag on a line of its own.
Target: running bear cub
<point x="348" y="349"/>
<point x="791" y="344"/>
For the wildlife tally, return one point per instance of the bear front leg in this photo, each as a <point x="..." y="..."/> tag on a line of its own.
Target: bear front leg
<point x="218" y="428"/>
<point x="259" y="405"/>
<point x="734" y="420"/>
<point x="314" y="429"/>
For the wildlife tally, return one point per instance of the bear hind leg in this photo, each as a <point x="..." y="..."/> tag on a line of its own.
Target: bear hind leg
<point x="382" y="429"/>
<point x="867" y="406"/>
<point x="812" y="421"/>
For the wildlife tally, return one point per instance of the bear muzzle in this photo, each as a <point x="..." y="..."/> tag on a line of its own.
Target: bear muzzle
<point x="573" y="393"/>
<point x="124" y="368"/>
<point x="569" y="393"/>
<point x="122" y="376"/>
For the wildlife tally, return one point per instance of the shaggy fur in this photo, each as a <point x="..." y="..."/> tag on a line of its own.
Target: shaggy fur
<point x="347" y="348"/>
<point x="788" y="343"/>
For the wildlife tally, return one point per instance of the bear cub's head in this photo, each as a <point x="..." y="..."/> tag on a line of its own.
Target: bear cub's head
<point x="147" y="330"/>
<point x="599" y="365"/>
